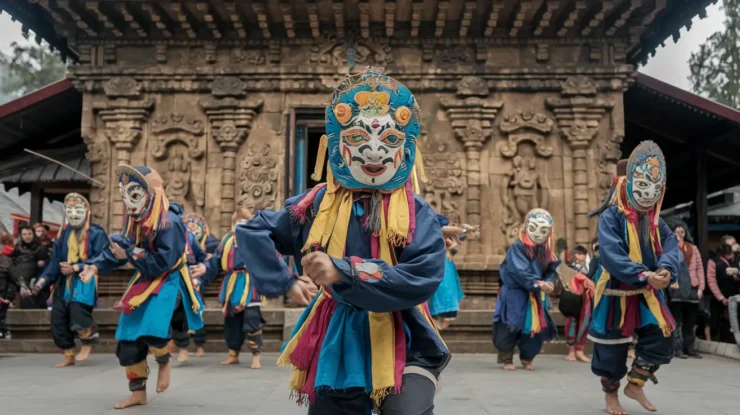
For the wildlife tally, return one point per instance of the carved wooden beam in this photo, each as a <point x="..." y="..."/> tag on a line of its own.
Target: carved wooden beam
<point x="596" y="19"/>
<point x="287" y="12"/>
<point x="262" y="20"/>
<point x="493" y="18"/>
<point x="523" y="9"/>
<point x="133" y="21"/>
<point x="313" y="18"/>
<point x="441" y="22"/>
<point x="52" y="12"/>
<point x="364" y="7"/>
<point x="209" y="17"/>
<point x="621" y="16"/>
<point x="390" y="18"/>
<point x="158" y="18"/>
<point x="79" y="20"/>
<point x="178" y="11"/>
<point x="546" y="18"/>
<point x="338" y="7"/>
<point x="94" y="7"/>
<point x="575" y="14"/>
<point x="417" y="7"/>
<point x="236" y="18"/>
<point x="467" y="18"/>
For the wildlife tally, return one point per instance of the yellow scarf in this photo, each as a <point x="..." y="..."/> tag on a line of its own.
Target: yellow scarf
<point x="652" y="301"/>
<point x="75" y="255"/>
<point x="182" y="267"/>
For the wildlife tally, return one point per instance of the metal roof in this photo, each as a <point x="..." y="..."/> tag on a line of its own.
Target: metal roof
<point x="48" y="172"/>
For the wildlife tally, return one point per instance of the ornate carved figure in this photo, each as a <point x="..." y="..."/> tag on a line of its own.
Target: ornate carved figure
<point x="524" y="187"/>
<point x="444" y="169"/>
<point x="258" y="178"/>
<point x="341" y="51"/>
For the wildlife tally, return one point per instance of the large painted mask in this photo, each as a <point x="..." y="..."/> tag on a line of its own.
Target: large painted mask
<point x="646" y="176"/>
<point x="372" y="125"/>
<point x="196" y="224"/>
<point x="76" y="210"/>
<point x="137" y="185"/>
<point x="538" y="226"/>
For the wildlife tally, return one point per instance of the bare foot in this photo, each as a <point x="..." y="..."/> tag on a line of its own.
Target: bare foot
<point x="172" y="347"/>
<point x="84" y="353"/>
<point x="256" y="362"/>
<point x="509" y="366"/>
<point x="68" y="361"/>
<point x="571" y="357"/>
<point x="613" y="407"/>
<point x="582" y="357"/>
<point x="631" y="354"/>
<point x="163" y="377"/>
<point x="136" y="398"/>
<point x="231" y="360"/>
<point x="200" y="352"/>
<point x="528" y="366"/>
<point x="183" y="355"/>
<point x="637" y="393"/>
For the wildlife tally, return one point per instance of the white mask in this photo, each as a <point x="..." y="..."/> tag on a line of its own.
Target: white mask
<point x="196" y="230"/>
<point x="538" y="226"/>
<point x="647" y="186"/>
<point x="372" y="147"/>
<point x="75" y="210"/>
<point x="135" y="197"/>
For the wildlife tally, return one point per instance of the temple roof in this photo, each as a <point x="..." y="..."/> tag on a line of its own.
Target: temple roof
<point x="641" y="25"/>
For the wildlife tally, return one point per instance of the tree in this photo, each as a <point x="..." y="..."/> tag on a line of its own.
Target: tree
<point x="27" y="68"/>
<point x="715" y="67"/>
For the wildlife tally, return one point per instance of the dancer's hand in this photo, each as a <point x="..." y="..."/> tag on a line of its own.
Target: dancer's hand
<point x="87" y="273"/>
<point x="320" y="268"/>
<point x="66" y="268"/>
<point x="658" y="281"/>
<point x="117" y="251"/>
<point x="197" y="270"/>
<point x="547" y="287"/>
<point x="300" y="293"/>
<point x="38" y="286"/>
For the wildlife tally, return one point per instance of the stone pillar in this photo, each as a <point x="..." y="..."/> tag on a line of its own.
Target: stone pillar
<point x="123" y="117"/>
<point x="472" y="115"/>
<point x="230" y="116"/>
<point x="578" y="113"/>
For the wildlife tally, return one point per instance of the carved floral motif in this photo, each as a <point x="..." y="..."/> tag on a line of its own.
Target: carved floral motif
<point x="122" y="86"/>
<point x="228" y="86"/>
<point x="444" y="169"/>
<point x="258" y="178"/>
<point x="337" y="51"/>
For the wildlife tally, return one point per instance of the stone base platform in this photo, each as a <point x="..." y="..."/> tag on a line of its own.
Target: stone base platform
<point x="469" y="333"/>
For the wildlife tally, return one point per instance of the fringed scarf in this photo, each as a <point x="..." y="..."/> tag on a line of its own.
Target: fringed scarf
<point x="231" y="277"/>
<point x="629" y="306"/>
<point x="387" y="334"/>
<point x="77" y="251"/>
<point x="535" y="320"/>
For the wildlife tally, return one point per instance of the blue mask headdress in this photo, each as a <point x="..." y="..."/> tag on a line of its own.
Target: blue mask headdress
<point x="646" y="177"/>
<point x="372" y="126"/>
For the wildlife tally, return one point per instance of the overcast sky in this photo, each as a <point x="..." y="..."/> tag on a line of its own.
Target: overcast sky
<point x="670" y="63"/>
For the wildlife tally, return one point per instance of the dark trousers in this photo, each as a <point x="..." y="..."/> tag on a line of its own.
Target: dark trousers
<point x="179" y="325"/>
<point x="720" y="323"/>
<point x="505" y="340"/>
<point x="245" y="325"/>
<point x="132" y="356"/>
<point x="199" y="337"/>
<point x="416" y="398"/>
<point x="3" y="315"/>
<point x="610" y="360"/>
<point x="685" y="314"/>
<point x="69" y="319"/>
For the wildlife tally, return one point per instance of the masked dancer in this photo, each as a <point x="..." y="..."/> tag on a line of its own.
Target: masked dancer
<point x="375" y="248"/>
<point x="639" y="257"/>
<point x="445" y="302"/>
<point x="528" y="273"/>
<point x="153" y="241"/>
<point x="197" y="225"/>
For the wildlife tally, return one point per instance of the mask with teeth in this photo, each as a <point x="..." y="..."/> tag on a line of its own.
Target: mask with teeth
<point x="76" y="210"/>
<point x="646" y="177"/>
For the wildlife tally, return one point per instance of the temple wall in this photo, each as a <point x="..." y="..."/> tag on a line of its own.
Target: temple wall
<point x="506" y="126"/>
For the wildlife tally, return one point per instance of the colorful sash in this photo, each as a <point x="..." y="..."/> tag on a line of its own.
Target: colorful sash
<point x="77" y="252"/>
<point x="231" y="277"/>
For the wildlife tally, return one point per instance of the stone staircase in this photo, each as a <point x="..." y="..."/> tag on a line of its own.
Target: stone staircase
<point x="470" y="333"/>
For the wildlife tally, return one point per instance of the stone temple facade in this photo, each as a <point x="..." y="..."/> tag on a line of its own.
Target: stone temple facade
<point x="521" y="99"/>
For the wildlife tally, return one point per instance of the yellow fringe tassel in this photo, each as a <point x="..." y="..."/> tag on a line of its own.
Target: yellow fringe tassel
<point x="419" y="163"/>
<point x="398" y="218"/>
<point x="318" y="169"/>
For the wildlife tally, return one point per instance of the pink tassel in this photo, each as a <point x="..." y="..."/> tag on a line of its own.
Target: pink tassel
<point x="400" y="350"/>
<point x="299" y="211"/>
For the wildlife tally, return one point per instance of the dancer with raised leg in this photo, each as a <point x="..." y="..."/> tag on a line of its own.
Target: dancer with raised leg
<point x="640" y="257"/>
<point x="153" y="241"/>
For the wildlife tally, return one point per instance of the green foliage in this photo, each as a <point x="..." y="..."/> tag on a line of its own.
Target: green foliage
<point x="27" y="68"/>
<point x="715" y="67"/>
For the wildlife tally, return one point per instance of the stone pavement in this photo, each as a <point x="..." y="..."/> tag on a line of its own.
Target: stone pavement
<point x="472" y="385"/>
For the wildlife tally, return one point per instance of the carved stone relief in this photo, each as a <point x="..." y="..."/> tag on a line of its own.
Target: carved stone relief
<point x="610" y="153"/>
<point x="122" y="86"/>
<point x="178" y="141"/>
<point x="446" y="179"/>
<point x="337" y="51"/>
<point x="258" y="178"/>
<point x="524" y="187"/>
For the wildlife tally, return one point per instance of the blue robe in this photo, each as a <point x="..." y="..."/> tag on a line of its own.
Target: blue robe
<point x="625" y="274"/>
<point x="211" y="244"/>
<point x="195" y="252"/>
<point x="449" y="294"/>
<point x="238" y="271"/>
<point x="79" y="292"/>
<point x="518" y="278"/>
<point x="344" y="360"/>
<point x="153" y="317"/>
